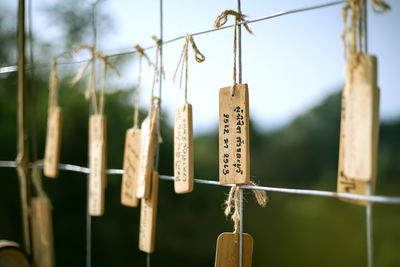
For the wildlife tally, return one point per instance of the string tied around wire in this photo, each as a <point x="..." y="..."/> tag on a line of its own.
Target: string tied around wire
<point x="157" y="69"/>
<point x="142" y="54"/>
<point x="54" y="81"/>
<point x="220" y="21"/>
<point x="232" y="202"/>
<point x="91" y="91"/>
<point x="183" y="61"/>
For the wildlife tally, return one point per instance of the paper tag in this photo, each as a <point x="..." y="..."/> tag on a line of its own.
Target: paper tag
<point x="131" y="167"/>
<point x="228" y="250"/>
<point x="148" y="215"/>
<point x="234" y="155"/>
<point x="42" y="232"/>
<point x="53" y="143"/>
<point x="183" y="149"/>
<point x="361" y="121"/>
<point x="97" y="164"/>
<point x="146" y="157"/>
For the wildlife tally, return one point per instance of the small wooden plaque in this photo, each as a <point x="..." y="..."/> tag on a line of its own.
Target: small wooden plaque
<point x="234" y="154"/>
<point x="53" y="143"/>
<point x="131" y="167"/>
<point x="361" y="121"/>
<point x="183" y="150"/>
<point x="346" y="184"/>
<point x="97" y="164"/>
<point x="148" y="215"/>
<point x="42" y="232"/>
<point x="146" y="156"/>
<point x="228" y="250"/>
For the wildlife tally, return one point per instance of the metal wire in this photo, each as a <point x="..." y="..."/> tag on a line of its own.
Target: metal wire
<point x="395" y="200"/>
<point x="13" y="68"/>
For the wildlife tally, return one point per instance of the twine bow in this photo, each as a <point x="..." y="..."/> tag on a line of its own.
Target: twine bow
<point x="233" y="201"/>
<point x="183" y="61"/>
<point x="91" y="85"/>
<point x="220" y="21"/>
<point x="142" y="54"/>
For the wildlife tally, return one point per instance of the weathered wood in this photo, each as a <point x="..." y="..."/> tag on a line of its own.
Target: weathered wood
<point x="148" y="216"/>
<point x="183" y="150"/>
<point x="131" y="167"/>
<point x="234" y="154"/>
<point x="11" y="255"/>
<point x="53" y="143"/>
<point x="227" y="253"/>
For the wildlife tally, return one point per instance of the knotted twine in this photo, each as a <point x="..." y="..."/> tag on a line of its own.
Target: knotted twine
<point x="233" y="201"/>
<point x="142" y="54"/>
<point x="183" y="61"/>
<point x="220" y="21"/>
<point x="91" y="91"/>
<point x="353" y="35"/>
<point x="54" y="82"/>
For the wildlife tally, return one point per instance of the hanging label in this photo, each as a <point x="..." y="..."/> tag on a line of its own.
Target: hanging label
<point x="228" y="250"/>
<point x="234" y="156"/>
<point x="183" y="149"/>
<point x="42" y="232"/>
<point x="53" y="143"/>
<point x="346" y="184"/>
<point x="146" y="157"/>
<point x="131" y="167"/>
<point x="148" y="213"/>
<point x="361" y="122"/>
<point x="97" y="164"/>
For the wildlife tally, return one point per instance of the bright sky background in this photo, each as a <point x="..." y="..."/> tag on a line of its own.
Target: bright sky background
<point x="290" y="63"/>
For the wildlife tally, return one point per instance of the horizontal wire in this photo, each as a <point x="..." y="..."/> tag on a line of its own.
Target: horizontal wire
<point x="14" y="68"/>
<point x="309" y="192"/>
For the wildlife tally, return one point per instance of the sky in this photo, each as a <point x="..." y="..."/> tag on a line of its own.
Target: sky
<point x="290" y="63"/>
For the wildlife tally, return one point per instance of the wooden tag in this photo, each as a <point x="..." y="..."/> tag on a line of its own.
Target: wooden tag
<point x="361" y="121"/>
<point x="346" y="184"/>
<point x="97" y="164"/>
<point x="53" y="143"/>
<point x="42" y="232"/>
<point x="148" y="213"/>
<point x="183" y="150"/>
<point x="146" y="157"/>
<point x="131" y="167"/>
<point x="234" y="155"/>
<point x="228" y="250"/>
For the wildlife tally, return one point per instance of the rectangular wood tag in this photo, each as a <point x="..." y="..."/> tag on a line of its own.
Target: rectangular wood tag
<point x="346" y="184"/>
<point x="97" y="164"/>
<point x="234" y="154"/>
<point x="148" y="215"/>
<point x="183" y="149"/>
<point x="42" y="232"/>
<point x="361" y="122"/>
<point x="148" y="128"/>
<point x="228" y="250"/>
<point x="131" y="167"/>
<point x="53" y="143"/>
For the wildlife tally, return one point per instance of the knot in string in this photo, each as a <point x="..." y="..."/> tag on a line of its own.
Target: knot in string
<point x="158" y="61"/>
<point x="142" y="54"/>
<point x="220" y="21"/>
<point x="183" y="61"/>
<point x="233" y="201"/>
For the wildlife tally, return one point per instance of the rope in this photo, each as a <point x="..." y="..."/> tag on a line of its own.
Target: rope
<point x="220" y="21"/>
<point x="183" y="61"/>
<point x="157" y="69"/>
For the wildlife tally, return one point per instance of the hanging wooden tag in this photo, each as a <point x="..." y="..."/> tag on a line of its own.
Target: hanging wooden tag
<point x="148" y="213"/>
<point x="146" y="157"/>
<point x="234" y="155"/>
<point x="361" y="122"/>
<point x="42" y="232"/>
<point x="183" y="149"/>
<point x="53" y="143"/>
<point x="131" y="167"/>
<point x="97" y="164"/>
<point x="346" y="184"/>
<point x="228" y="250"/>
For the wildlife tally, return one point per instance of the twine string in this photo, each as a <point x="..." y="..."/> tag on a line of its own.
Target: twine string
<point x="157" y="69"/>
